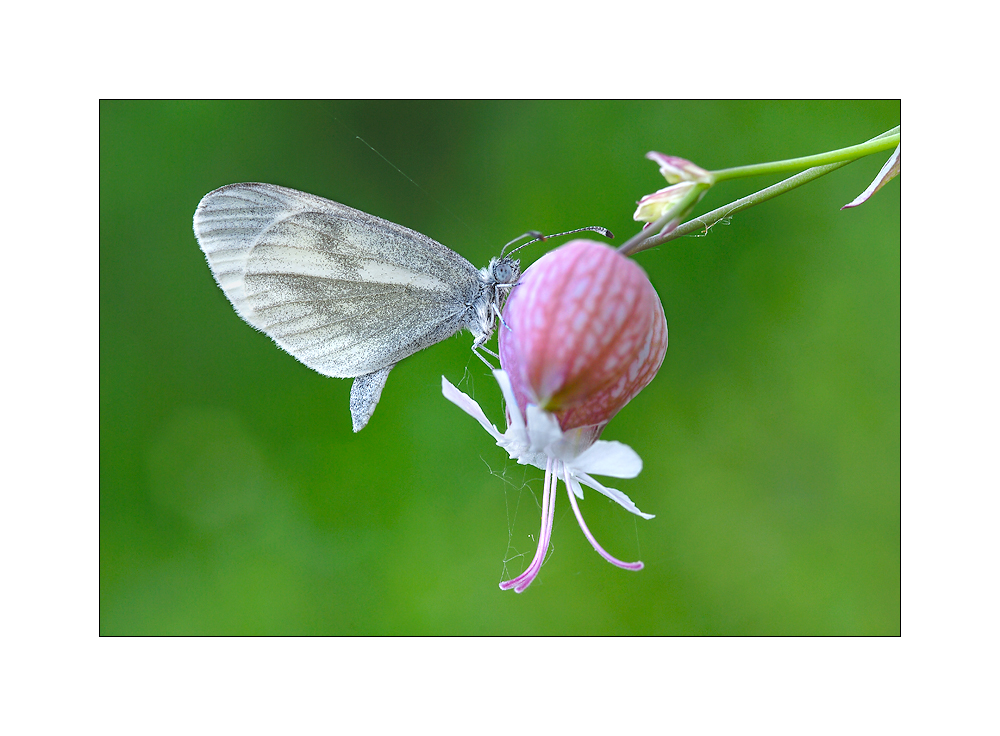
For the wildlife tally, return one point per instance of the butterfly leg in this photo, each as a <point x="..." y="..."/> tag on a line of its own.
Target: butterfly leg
<point x="365" y="393"/>
<point x="480" y="344"/>
<point x="496" y="309"/>
<point x="502" y="321"/>
<point x="477" y="348"/>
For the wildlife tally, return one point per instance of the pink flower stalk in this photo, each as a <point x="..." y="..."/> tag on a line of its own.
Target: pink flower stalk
<point x="584" y="333"/>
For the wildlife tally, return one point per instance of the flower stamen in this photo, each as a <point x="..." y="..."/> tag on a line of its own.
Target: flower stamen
<point x="525" y="579"/>
<point x="586" y="532"/>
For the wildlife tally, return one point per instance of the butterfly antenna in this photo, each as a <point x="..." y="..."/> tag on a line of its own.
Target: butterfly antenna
<point x="536" y="236"/>
<point x="530" y="234"/>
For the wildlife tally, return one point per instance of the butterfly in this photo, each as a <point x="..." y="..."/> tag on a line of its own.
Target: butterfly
<point x="346" y="293"/>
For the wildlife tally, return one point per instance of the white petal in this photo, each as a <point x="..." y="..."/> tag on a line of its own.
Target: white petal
<point x="609" y="458"/>
<point x="573" y="443"/>
<point x="574" y="486"/>
<point x="520" y="433"/>
<point x="469" y="406"/>
<point x="613" y="493"/>
<point x="543" y="429"/>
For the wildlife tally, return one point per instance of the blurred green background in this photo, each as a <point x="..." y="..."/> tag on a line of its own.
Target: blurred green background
<point x="236" y="500"/>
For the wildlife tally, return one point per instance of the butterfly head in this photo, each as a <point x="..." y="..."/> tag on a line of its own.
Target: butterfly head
<point x="502" y="272"/>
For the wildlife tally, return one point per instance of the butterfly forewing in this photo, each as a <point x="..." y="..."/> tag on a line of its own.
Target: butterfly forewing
<point x="343" y="291"/>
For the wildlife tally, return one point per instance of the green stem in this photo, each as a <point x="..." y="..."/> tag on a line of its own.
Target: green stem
<point x="887" y="140"/>
<point x="703" y="223"/>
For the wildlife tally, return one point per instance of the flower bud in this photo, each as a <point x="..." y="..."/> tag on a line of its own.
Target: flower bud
<point x="653" y="206"/>
<point x="583" y="333"/>
<point x="676" y="169"/>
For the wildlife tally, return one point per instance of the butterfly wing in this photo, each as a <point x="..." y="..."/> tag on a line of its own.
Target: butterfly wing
<point x="346" y="293"/>
<point x="343" y="291"/>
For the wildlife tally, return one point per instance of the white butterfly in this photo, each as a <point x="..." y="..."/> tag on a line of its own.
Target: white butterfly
<point x="348" y="294"/>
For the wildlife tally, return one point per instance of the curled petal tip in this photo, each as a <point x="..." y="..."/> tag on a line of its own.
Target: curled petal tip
<point x="888" y="172"/>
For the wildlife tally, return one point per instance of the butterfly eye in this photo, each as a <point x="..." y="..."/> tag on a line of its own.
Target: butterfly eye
<point x="504" y="271"/>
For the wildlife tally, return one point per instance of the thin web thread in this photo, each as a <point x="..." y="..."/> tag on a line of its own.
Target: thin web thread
<point x="510" y="486"/>
<point x="404" y="175"/>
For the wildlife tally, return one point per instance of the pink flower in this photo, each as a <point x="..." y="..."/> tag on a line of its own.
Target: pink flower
<point x="584" y="333"/>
